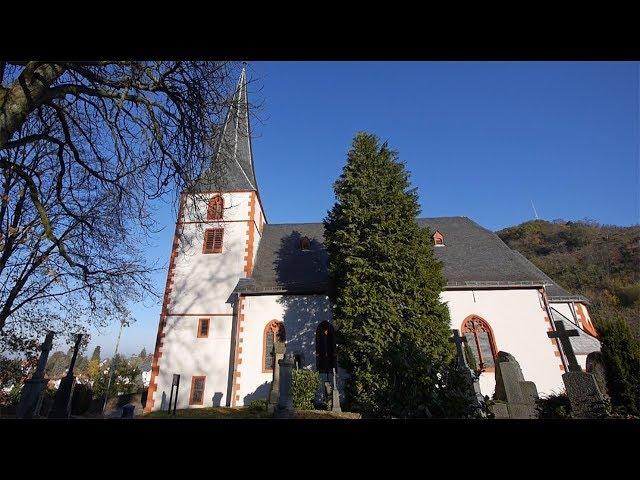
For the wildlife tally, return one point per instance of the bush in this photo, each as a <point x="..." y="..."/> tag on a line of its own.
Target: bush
<point x="303" y="388"/>
<point x="554" y="406"/>
<point x="621" y="358"/>
<point x="257" y="406"/>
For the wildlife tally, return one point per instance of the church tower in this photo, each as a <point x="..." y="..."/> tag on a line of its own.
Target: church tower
<point x="219" y="226"/>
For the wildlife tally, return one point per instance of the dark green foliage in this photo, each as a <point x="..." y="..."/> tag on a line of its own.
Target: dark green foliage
<point x="256" y="406"/>
<point x="471" y="358"/>
<point x="57" y="364"/>
<point x="454" y="396"/>
<point x="143" y="353"/>
<point x="124" y="380"/>
<point x="392" y="330"/>
<point x="554" y="406"/>
<point x="81" y="399"/>
<point x="304" y="385"/>
<point x="621" y="357"/>
<point x="598" y="261"/>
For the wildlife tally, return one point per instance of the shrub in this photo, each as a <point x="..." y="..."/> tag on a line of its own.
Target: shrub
<point x="303" y="388"/>
<point x="556" y="405"/>
<point x="621" y="357"/>
<point x="257" y="406"/>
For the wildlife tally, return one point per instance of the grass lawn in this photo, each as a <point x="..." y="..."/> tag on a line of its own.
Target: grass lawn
<point x="246" y="413"/>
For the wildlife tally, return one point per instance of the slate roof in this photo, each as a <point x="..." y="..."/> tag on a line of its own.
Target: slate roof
<point x="584" y="343"/>
<point x="472" y="256"/>
<point x="233" y="160"/>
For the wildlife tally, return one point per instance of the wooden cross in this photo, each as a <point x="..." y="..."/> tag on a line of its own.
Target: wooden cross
<point x="459" y="341"/>
<point x="563" y="335"/>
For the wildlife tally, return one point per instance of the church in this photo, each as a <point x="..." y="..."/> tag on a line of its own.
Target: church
<point x="236" y="284"/>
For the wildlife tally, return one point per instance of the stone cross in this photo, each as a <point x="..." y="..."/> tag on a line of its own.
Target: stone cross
<point x="459" y="341"/>
<point x="62" y="402"/>
<point x="279" y="349"/>
<point x="31" y="397"/>
<point x="563" y="335"/>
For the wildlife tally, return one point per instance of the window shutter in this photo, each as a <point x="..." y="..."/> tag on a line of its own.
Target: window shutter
<point x="213" y="240"/>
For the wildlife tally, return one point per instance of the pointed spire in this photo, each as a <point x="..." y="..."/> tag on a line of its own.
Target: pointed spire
<point x="232" y="165"/>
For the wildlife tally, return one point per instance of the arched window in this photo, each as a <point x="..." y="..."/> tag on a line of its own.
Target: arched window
<point x="480" y="341"/>
<point x="272" y="332"/>
<point x="216" y="208"/>
<point x="325" y="348"/>
<point x="305" y="243"/>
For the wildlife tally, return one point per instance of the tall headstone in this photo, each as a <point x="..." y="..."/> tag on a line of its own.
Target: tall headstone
<point x="471" y="377"/>
<point x="335" y="394"/>
<point x="62" y="403"/>
<point x="586" y="398"/>
<point x="595" y="366"/>
<point x="285" y="403"/>
<point x="516" y="397"/>
<point x="33" y="390"/>
<point x="274" y="391"/>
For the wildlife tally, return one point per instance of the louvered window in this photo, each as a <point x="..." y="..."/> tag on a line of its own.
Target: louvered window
<point x="212" y="240"/>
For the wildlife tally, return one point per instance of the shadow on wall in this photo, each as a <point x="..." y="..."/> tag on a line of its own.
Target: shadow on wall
<point x="304" y="271"/>
<point x="260" y="393"/>
<point x="216" y="399"/>
<point x="182" y="361"/>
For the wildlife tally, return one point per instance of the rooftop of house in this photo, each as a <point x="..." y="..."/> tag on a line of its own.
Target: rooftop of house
<point x="472" y="256"/>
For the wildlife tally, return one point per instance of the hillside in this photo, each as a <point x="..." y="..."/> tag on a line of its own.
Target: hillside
<point x="599" y="261"/>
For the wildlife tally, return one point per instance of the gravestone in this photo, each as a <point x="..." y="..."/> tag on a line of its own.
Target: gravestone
<point x="595" y="366"/>
<point x="517" y="396"/>
<point x="34" y="388"/>
<point x="586" y="398"/>
<point x="285" y="402"/>
<point x="469" y="374"/>
<point x="274" y="391"/>
<point x="62" y="403"/>
<point x="335" y="394"/>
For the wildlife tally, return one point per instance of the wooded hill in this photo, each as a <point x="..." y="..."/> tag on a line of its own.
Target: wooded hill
<point x="600" y="262"/>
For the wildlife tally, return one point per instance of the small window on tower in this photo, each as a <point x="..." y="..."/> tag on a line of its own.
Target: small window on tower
<point x="305" y="243"/>
<point x="203" y="328"/>
<point x="216" y="208"/>
<point x="212" y="240"/>
<point x="197" y="390"/>
<point x="438" y="239"/>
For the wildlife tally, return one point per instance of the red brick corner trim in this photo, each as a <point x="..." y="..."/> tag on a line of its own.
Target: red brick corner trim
<point x="584" y="321"/>
<point x="155" y="366"/>
<point x="248" y="257"/>
<point x="555" y="343"/>
<point x="235" y="389"/>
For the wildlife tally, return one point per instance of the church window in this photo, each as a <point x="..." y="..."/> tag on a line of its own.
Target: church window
<point x="274" y="331"/>
<point x="325" y="348"/>
<point x="212" y="240"/>
<point x="197" y="390"/>
<point x="438" y="239"/>
<point x="480" y="341"/>
<point x="305" y="243"/>
<point x="203" y="328"/>
<point x="216" y="208"/>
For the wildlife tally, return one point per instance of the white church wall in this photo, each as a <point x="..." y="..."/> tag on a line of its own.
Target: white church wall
<point x="185" y="354"/>
<point x="301" y="315"/>
<point x="517" y="318"/>
<point x="201" y="287"/>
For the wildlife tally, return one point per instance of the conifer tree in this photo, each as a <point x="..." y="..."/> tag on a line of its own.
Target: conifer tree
<point x="392" y="329"/>
<point x="96" y="354"/>
<point x="143" y="353"/>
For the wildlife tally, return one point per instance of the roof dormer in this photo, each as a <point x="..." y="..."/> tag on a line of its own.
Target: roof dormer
<point x="438" y="239"/>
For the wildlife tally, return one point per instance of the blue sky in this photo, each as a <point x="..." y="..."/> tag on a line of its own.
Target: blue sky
<point x="481" y="139"/>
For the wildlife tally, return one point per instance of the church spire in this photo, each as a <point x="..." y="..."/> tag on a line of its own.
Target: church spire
<point x="232" y="164"/>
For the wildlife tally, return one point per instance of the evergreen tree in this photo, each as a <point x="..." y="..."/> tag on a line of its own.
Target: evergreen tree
<point x="96" y="354"/>
<point x="391" y="327"/>
<point x="143" y="353"/>
<point x="621" y="358"/>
